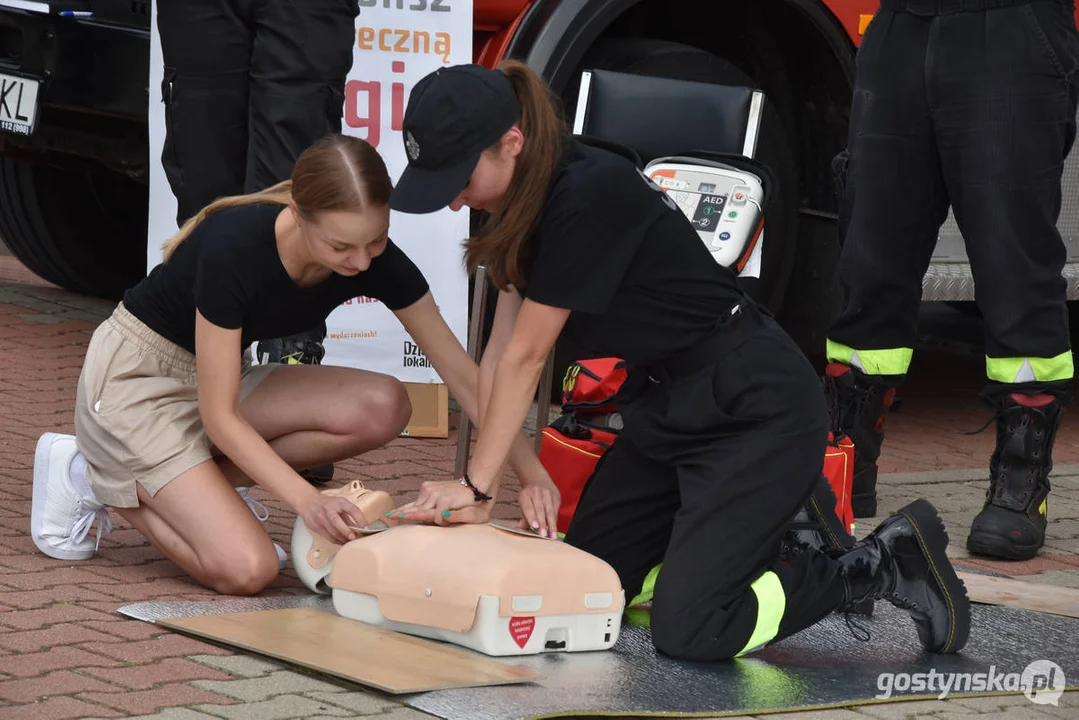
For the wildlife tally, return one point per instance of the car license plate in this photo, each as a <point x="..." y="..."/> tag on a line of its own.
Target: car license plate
<point x="18" y="104"/>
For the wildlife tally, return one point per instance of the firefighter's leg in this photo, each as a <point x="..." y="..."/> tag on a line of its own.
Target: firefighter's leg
<point x="624" y="516"/>
<point x="302" y="55"/>
<point x="747" y="441"/>
<point x="1007" y="88"/>
<point x="206" y="48"/>
<point x="893" y="210"/>
<point x="627" y="510"/>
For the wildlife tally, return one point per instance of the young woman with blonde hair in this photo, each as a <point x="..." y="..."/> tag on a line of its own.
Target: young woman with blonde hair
<point x="170" y="414"/>
<point x="725" y="422"/>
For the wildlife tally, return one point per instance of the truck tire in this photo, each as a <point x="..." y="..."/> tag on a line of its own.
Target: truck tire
<point x="83" y="231"/>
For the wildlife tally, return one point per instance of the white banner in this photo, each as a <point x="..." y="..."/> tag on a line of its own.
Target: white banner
<point x="162" y="222"/>
<point x="396" y="44"/>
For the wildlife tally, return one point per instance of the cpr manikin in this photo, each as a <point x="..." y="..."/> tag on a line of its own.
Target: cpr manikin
<point x="495" y="590"/>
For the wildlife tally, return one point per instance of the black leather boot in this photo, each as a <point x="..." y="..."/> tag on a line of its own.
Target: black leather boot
<point x="1011" y="524"/>
<point x="857" y="407"/>
<point x="903" y="561"/>
<point x="304" y="348"/>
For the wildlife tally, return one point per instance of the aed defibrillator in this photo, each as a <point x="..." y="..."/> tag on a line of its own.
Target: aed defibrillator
<point x="724" y="203"/>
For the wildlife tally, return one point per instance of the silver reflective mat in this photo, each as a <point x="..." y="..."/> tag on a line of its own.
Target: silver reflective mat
<point x="824" y="665"/>
<point x="153" y="611"/>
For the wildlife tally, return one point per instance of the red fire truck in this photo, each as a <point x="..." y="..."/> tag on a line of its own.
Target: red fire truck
<point x="74" y="172"/>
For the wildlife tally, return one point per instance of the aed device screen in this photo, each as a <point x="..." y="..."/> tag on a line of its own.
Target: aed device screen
<point x="709" y="210"/>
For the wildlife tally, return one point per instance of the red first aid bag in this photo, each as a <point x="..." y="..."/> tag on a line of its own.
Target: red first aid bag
<point x="589" y="386"/>
<point x="839" y="469"/>
<point x="570" y="451"/>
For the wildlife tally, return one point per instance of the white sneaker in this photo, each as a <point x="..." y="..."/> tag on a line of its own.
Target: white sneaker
<point x="64" y="507"/>
<point x="263" y="514"/>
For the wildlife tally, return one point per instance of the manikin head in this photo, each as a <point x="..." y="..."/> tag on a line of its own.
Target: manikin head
<point x="313" y="555"/>
<point x="488" y="140"/>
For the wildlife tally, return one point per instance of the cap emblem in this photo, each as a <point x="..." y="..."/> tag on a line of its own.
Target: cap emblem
<point x="412" y="147"/>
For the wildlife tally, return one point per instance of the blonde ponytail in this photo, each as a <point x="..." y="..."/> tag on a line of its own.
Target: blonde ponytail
<point x="279" y="194"/>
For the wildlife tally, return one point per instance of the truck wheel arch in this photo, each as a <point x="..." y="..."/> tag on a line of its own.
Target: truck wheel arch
<point x="554" y="36"/>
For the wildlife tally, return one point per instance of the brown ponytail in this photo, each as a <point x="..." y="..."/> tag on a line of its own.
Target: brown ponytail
<point x="338" y="172"/>
<point x="500" y="244"/>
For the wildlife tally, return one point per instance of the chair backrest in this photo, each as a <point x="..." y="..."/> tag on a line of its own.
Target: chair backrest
<point x="659" y="117"/>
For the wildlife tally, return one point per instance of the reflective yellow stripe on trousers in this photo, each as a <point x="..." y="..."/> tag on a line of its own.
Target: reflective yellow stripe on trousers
<point x="889" y="361"/>
<point x="771" y="604"/>
<point x="636" y="614"/>
<point x="896" y="361"/>
<point x="1030" y="369"/>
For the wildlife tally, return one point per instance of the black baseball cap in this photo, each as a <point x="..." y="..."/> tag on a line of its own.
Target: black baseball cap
<point x="453" y="115"/>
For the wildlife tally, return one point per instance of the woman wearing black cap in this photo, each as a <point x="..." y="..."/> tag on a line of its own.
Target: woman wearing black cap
<point x="725" y="419"/>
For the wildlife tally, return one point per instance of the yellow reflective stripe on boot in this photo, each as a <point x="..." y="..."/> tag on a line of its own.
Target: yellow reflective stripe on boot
<point x="771" y="603"/>
<point x="889" y="361"/>
<point x="1028" y="369"/>
<point x="642" y="616"/>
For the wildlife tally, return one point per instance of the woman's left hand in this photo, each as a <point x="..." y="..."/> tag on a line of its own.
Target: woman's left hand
<point x="539" y="504"/>
<point x="444" y="503"/>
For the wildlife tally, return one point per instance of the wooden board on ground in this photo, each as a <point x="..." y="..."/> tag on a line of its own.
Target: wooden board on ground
<point x="1021" y="594"/>
<point x="349" y="649"/>
<point x="430" y="410"/>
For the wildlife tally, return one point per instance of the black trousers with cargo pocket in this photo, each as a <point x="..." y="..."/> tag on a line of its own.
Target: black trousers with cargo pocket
<point x="705" y="479"/>
<point x="248" y="86"/>
<point x="968" y="104"/>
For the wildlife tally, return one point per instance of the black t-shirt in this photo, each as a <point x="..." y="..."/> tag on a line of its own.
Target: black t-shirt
<point x="229" y="269"/>
<point x="631" y="267"/>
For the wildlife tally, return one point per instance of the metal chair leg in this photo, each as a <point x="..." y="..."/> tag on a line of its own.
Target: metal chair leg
<point x="543" y="399"/>
<point x="475" y="349"/>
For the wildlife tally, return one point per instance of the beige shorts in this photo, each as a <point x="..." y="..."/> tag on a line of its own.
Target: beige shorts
<point x="136" y="412"/>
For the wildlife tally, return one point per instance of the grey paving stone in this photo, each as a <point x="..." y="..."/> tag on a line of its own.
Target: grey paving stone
<point x="178" y="713"/>
<point x="994" y="703"/>
<point x="1068" y="707"/>
<point x="832" y="714"/>
<point x="241" y="665"/>
<point x="1013" y="713"/>
<point x="358" y="702"/>
<point x="280" y="682"/>
<point x="910" y="709"/>
<point x="282" y="707"/>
